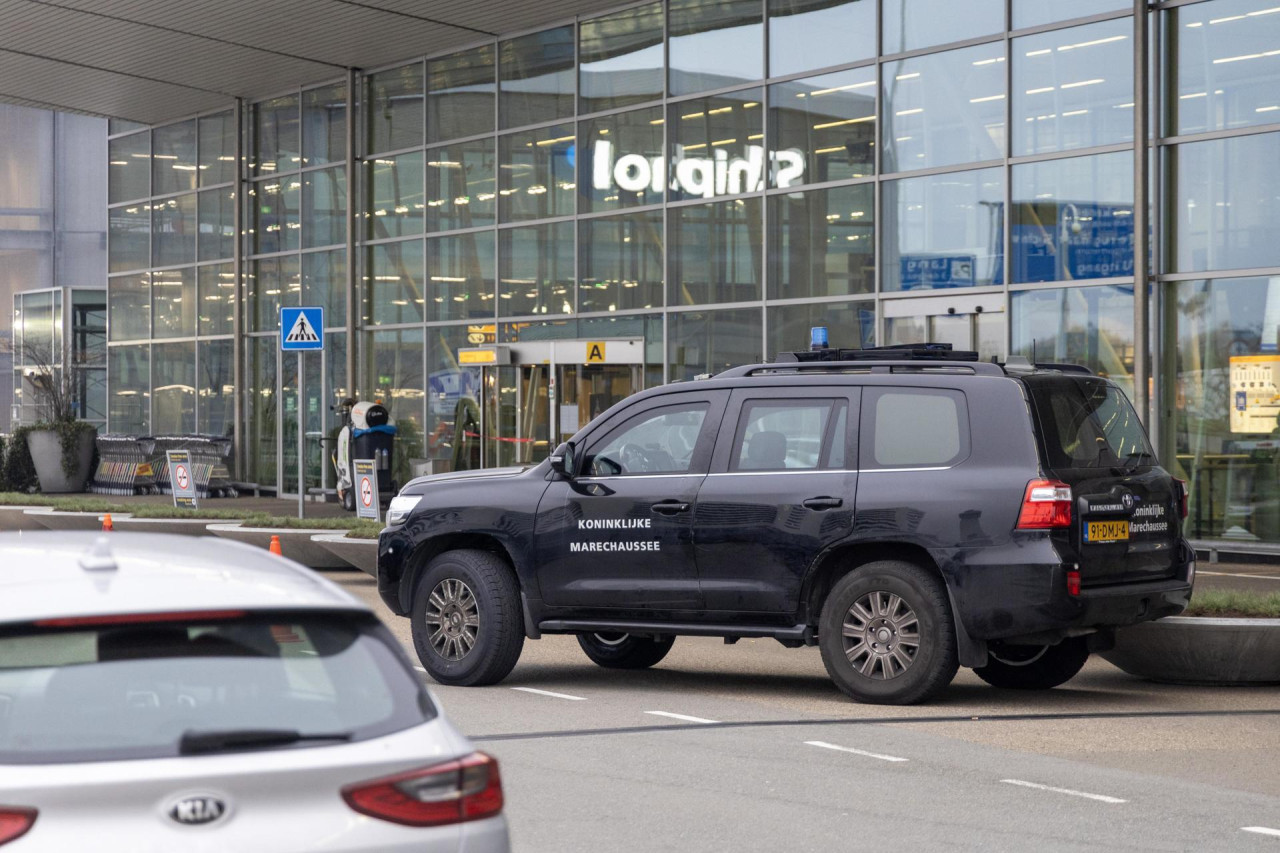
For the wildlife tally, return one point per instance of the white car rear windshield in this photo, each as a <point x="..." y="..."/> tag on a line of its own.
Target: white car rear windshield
<point x="130" y="690"/>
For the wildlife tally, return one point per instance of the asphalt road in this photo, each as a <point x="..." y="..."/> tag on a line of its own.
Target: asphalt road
<point x="749" y="747"/>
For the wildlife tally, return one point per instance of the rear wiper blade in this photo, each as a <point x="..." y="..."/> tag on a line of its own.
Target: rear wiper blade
<point x="195" y="742"/>
<point x="1133" y="460"/>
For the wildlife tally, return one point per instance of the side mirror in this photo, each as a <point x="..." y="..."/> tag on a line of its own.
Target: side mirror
<point x="563" y="460"/>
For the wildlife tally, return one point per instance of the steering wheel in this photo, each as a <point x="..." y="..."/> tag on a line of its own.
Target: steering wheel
<point x="634" y="458"/>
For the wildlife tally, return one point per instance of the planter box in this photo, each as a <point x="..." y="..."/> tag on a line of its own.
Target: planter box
<point x="294" y="542"/>
<point x="1196" y="650"/>
<point x="46" y="453"/>
<point x="177" y="526"/>
<point x="360" y="553"/>
<point x="60" y="520"/>
<point x="21" y="517"/>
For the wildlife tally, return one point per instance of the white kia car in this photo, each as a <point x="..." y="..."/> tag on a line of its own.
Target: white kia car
<point x="162" y="693"/>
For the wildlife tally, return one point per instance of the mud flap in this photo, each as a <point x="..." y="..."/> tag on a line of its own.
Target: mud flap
<point x="972" y="652"/>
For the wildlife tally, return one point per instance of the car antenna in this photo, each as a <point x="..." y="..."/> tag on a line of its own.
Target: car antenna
<point x="99" y="557"/>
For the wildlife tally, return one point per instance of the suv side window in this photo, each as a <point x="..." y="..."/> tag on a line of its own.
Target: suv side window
<point x="656" y="441"/>
<point x="775" y="435"/>
<point x="914" y="428"/>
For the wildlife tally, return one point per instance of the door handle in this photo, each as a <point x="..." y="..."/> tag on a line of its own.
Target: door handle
<point x="824" y="503"/>
<point x="670" y="507"/>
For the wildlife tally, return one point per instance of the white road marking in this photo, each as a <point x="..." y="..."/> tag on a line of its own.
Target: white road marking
<point x="1234" y="575"/>
<point x="684" y="717"/>
<point x="854" y="751"/>
<point x="1102" y="798"/>
<point x="551" y="694"/>
<point x="1262" y="830"/>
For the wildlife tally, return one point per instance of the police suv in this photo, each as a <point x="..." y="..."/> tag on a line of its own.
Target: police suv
<point x="907" y="510"/>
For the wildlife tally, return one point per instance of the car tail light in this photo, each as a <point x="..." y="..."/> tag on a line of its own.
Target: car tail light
<point x="1182" y="496"/>
<point x="462" y="790"/>
<point x="14" y="822"/>
<point x="1073" y="582"/>
<point x="1046" y="504"/>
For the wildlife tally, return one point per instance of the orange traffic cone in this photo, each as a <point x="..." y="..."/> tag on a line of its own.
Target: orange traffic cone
<point x="274" y="547"/>
<point x="107" y="526"/>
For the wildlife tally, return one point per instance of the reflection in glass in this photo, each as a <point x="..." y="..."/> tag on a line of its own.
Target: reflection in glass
<point x="129" y="307"/>
<point x="1227" y="199"/>
<point x="275" y="129"/>
<point x="461" y="93"/>
<point x="461" y="186"/>
<point x="717" y="146"/>
<point x="452" y="398"/>
<point x="943" y="230"/>
<point x="395" y="108"/>
<point x="944" y="108"/>
<point x="324" y="283"/>
<point x="173" y="303"/>
<point x="215" y="388"/>
<point x="129" y="409"/>
<point x="460" y="281"/>
<point x="822" y="243"/>
<point x="620" y="58"/>
<point x="324" y="205"/>
<point x="129" y="237"/>
<point x="1073" y="219"/>
<point x="715" y="252"/>
<point x="217" y="224"/>
<point x="1034" y="13"/>
<point x="173" y="231"/>
<point x="173" y="392"/>
<point x="620" y="262"/>
<point x="394" y="284"/>
<point x="217" y="137"/>
<point x="712" y="341"/>
<point x="1092" y="326"/>
<point x="620" y="161"/>
<point x="829" y="121"/>
<point x="216" y="291"/>
<point x="713" y="44"/>
<point x="324" y="125"/>
<point x="173" y="158"/>
<point x="129" y="167"/>
<point x="535" y="171"/>
<point x="536" y="269"/>
<point x="806" y="34"/>
<point x="396" y="361"/>
<point x="272" y="282"/>
<point x="274" y="221"/>
<point x="1073" y="88"/>
<point x="913" y="24"/>
<point x="262" y="409"/>
<point x="536" y="77"/>
<point x="395" y="206"/>
<point x="1226" y="65"/>
<point x="850" y="325"/>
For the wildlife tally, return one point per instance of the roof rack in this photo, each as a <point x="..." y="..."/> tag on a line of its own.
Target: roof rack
<point x="978" y="368"/>
<point x="897" y="352"/>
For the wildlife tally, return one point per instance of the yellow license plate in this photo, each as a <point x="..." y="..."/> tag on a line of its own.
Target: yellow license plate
<point x="1106" y="531"/>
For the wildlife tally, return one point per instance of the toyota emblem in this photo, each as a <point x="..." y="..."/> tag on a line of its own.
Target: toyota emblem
<point x="1127" y="500"/>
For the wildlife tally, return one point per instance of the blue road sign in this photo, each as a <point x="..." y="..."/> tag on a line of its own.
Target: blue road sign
<point x="301" y="329"/>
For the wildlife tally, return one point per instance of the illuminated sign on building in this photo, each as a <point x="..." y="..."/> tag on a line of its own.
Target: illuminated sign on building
<point x="719" y="174"/>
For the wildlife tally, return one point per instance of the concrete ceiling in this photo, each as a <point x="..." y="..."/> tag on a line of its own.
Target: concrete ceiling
<point x="155" y="60"/>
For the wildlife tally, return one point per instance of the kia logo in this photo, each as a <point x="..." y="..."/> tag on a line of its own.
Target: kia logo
<point x="197" y="810"/>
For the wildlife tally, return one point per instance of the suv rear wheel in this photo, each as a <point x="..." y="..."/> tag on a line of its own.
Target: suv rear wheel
<point x="624" y="651"/>
<point x="467" y="626"/>
<point x="1034" y="667"/>
<point x="886" y="634"/>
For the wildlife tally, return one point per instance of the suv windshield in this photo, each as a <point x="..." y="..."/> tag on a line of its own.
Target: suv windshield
<point x="129" y="691"/>
<point x="1087" y="422"/>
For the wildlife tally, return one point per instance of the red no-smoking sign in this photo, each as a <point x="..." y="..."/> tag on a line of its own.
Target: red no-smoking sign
<point x="366" y="491"/>
<point x="181" y="473"/>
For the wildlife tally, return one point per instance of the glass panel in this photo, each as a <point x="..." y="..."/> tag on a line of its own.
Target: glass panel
<point x="461" y="186"/>
<point x="123" y="125"/>
<point x="1226" y="65"/>
<point x="89" y="327"/>
<point x="620" y="58"/>
<point x="274" y="222"/>
<point x="217" y="149"/>
<point x="823" y="128"/>
<point x="129" y="307"/>
<point x="216" y="285"/>
<point x="536" y="174"/>
<point x="1034" y="13"/>
<point x="822" y="243"/>
<point x="173" y="303"/>
<point x="453" y="404"/>
<point x="850" y="325"/>
<point x="713" y="44"/>
<point x="1073" y="88"/>
<point x="396" y="203"/>
<point x="780" y="436"/>
<point x="324" y="125"/>
<point x="324" y="206"/>
<point x="1073" y="219"/>
<point x="712" y="341"/>
<point x="273" y="282"/>
<point x="620" y="265"/>
<point x="394" y="284"/>
<point x="1227" y="203"/>
<point x="536" y="77"/>
<point x="536" y="267"/>
<point x="944" y="231"/>
<point x="395" y="105"/>
<point x="396" y="359"/>
<point x="324" y="283"/>
<point x="129" y="411"/>
<point x="944" y="108"/>
<point x="1092" y="326"/>
<point x="807" y="34"/>
<point x="129" y="172"/>
<point x="217" y="224"/>
<point x="216" y="388"/>
<point x="709" y="132"/>
<point x="173" y="158"/>
<point x="275" y="126"/>
<point x="174" y="392"/>
<point x="129" y="237"/>
<point x="653" y="442"/>
<point x="262" y="409"/>
<point x="919" y="427"/>
<point x="461" y="93"/>
<point x="460" y="271"/>
<point x="622" y="164"/>
<point x="173" y="231"/>
<point x="913" y="24"/>
<point x="715" y="253"/>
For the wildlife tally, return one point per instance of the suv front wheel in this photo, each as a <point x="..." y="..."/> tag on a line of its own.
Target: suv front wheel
<point x="1034" y="667"/>
<point x="886" y="634"/>
<point x="625" y="651"/>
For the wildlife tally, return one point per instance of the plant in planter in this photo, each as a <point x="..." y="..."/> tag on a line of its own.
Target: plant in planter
<point x="60" y="446"/>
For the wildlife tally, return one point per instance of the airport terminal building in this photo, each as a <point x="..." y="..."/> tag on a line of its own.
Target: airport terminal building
<point x="515" y="214"/>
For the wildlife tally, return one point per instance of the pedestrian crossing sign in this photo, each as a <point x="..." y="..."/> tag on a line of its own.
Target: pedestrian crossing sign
<point x="301" y="329"/>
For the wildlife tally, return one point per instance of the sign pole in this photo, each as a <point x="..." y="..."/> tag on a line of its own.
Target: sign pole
<point x="302" y="451"/>
<point x="301" y="330"/>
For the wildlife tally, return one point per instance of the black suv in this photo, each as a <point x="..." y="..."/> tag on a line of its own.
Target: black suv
<point x="909" y="511"/>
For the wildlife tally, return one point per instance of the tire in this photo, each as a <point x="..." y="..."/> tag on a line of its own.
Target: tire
<point x="349" y="501"/>
<point x="624" y="651"/>
<point x="462" y="588"/>
<point x="1034" y="667"/>
<point x="898" y="605"/>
